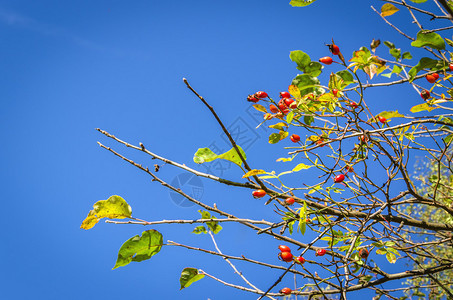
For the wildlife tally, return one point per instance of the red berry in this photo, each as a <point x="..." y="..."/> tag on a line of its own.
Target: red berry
<point x="334" y="49"/>
<point x="363" y="138"/>
<point x="320" y="252"/>
<point x="382" y="119"/>
<point x="289" y="102"/>
<point x="259" y="193"/>
<point x="286" y="256"/>
<point x="283" y="108"/>
<point x="363" y="252"/>
<point x="253" y="98"/>
<point x="431" y="78"/>
<point x="294" y="138"/>
<point x="285" y="95"/>
<point x="435" y="75"/>
<point x="353" y="104"/>
<point x="349" y="169"/>
<point x="290" y="201"/>
<point x="284" y="248"/>
<point x="339" y="178"/>
<point x="285" y="291"/>
<point x="425" y="94"/>
<point x="300" y="259"/>
<point x="335" y="92"/>
<point x="450" y="66"/>
<point x="326" y="60"/>
<point x="273" y="108"/>
<point x="261" y="94"/>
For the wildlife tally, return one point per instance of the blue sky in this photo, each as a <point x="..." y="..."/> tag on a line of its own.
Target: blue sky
<point x="72" y="66"/>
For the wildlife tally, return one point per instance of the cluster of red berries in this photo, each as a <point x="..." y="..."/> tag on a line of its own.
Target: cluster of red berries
<point x="285" y="253"/>
<point x="257" y="96"/>
<point x="432" y="77"/>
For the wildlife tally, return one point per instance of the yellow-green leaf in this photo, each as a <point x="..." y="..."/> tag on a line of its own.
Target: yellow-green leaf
<point x="284" y="159"/>
<point x="388" y="9"/>
<point x="422" y="107"/>
<point x="391" y="257"/>
<point x="253" y="173"/>
<point x="114" y="207"/>
<point x="301" y="166"/>
<point x="206" y="155"/>
<point x="294" y="91"/>
<point x="278" y="126"/>
<point x="260" y="108"/>
<point x="391" y="114"/>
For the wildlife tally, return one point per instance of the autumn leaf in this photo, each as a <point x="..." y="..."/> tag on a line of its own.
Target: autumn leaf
<point x="114" y="207"/>
<point x="388" y="9"/>
<point x="253" y="173"/>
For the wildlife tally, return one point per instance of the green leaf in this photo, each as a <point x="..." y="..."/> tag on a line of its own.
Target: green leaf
<point x="304" y="63"/>
<point x="424" y="63"/>
<point x="308" y="119"/>
<point x="277" y="137"/>
<point x="388" y="9"/>
<point x="429" y="39"/>
<point x="289" y="117"/>
<point x="313" y="69"/>
<point x="407" y="55"/>
<point x="346" y="76"/>
<point x="300" y="3"/>
<point x="307" y="84"/>
<point x="139" y="248"/>
<point x="396" y="53"/>
<point x="300" y="58"/>
<point x="448" y="139"/>
<point x="189" y="276"/>
<point x="200" y="229"/>
<point x="389" y="44"/>
<point x="418" y="1"/>
<point x="213" y="226"/>
<point x="396" y="70"/>
<point x="303" y="218"/>
<point x="291" y="227"/>
<point x="206" y="155"/>
<point x="114" y="207"/>
<point x="449" y="42"/>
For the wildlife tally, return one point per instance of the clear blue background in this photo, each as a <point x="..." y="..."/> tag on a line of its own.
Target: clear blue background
<point x="68" y="67"/>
